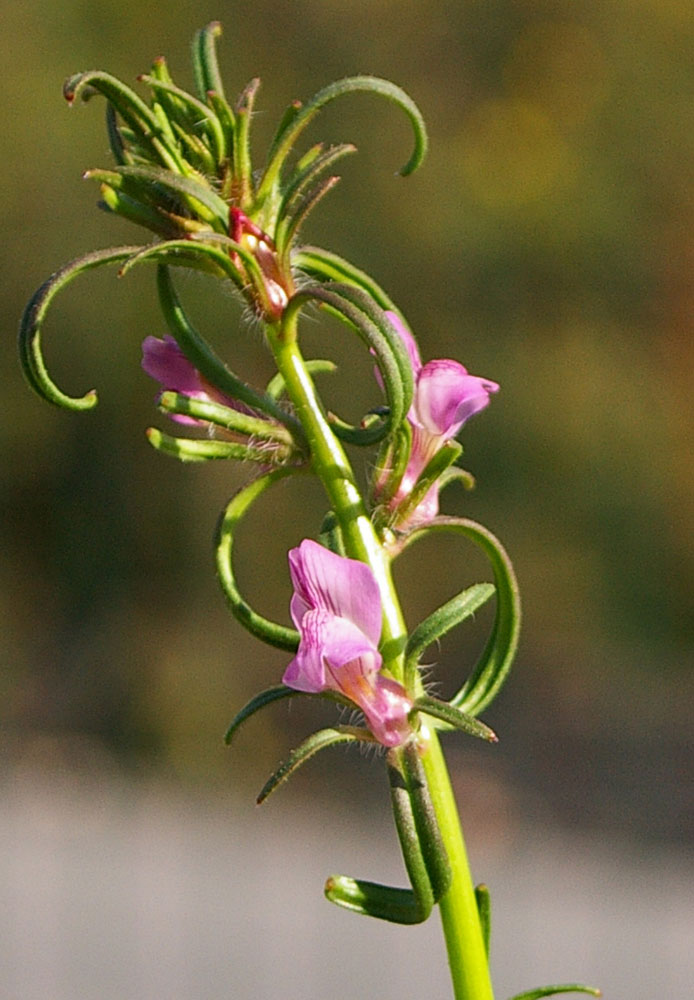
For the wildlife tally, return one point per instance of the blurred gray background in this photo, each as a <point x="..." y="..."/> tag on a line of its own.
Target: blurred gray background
<point x="547" y="244"/>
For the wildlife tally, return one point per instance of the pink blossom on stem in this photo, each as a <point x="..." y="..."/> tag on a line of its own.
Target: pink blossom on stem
<point x="164" y="361"/>
<point x="336" y="607"/>
<point x="445" y="397"/>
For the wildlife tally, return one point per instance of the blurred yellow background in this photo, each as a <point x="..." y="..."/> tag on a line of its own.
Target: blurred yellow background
<point x="546" y="243"/>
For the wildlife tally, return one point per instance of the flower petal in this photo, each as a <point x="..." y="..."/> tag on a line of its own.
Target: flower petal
<point x="446" y="396"/>
<point x="408" y="340"/>
<point x="164" y="361"/>
<point x="333" y="654"/>
<point x="345" y="587"/>
<point x="387" y="711"/>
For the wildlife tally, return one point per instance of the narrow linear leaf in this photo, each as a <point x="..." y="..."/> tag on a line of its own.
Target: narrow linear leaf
<point x="300" y="210"/>
<point x="273" y="694"/>
<point x="410" y="845"/>
<point x="230" y="420"/>
<point x="135" y="211"/>
<point x="201" y="199"/>
<point x="440" y="622"/>
<point x="454" y="717"/>
<point x="205" y="450"/>
<point x="398" y="906"/>
<point x="31" y="324"/>
<point x="299" y="196"/>
<point x="456" y="475"/>
<point x="391" y="465"/>
<point x="492" y="668"/>
<point x="317" y="741"/>
<point x="262" y="700"/>
<point x="132" y="109"/>
<point x="551" y="991"/>
<point x="243" y="167"/>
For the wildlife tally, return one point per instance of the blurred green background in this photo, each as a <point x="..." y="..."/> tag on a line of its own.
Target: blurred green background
<point x="546" y="243"/>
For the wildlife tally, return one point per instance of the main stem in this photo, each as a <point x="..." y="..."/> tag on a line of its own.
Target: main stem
<point x="467" y="955"/>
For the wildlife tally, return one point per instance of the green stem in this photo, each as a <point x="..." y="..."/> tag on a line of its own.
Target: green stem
<point x="461" y="925"/>
<point x="467" y="954"/>
<point x="332" y="466"/>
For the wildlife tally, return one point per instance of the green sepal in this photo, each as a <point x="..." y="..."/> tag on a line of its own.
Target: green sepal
<point x="317" y="741"/>
<point x="207" y="362"/>
<point x="327" y="266"/>
<point x="390" y="468"/>
<point x="446" y="455"/>
<point x="492" y="668"/>
<point x="270" y="632"/>
<point x="206" y="450"/>
<point x="132" y="109"/>
<point x="484" y="910"/>
<point x="441" y="621"/>
<point x="551" y="991"/>
<point x="447" y="713"/>
<point x="230" y="420"/>
<point x="295" y="124"/>
<point x="317" y="366"/>
<point x="398" y="906"/>
<point x="30" y="353"/>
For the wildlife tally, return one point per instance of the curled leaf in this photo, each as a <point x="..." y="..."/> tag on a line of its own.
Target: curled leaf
<point x="296" y="123"/>
<point x="492" y="668"/>
<point x="270" y="632"/>
<point x="31" y="325"/>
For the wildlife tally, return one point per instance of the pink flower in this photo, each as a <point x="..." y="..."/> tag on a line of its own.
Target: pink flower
<point x="164" y="361"/>
<point x="445" y="397"/>
<point x="336" y="607"/>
